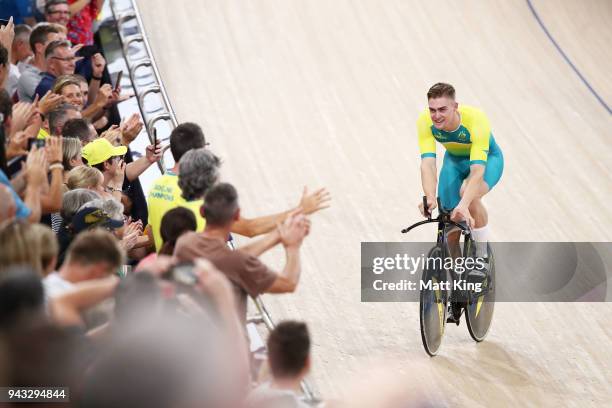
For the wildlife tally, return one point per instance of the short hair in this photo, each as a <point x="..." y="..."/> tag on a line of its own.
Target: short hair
<point x="39" y="34"/>
<point x="54" y="45"/>
<point x="441" y="89"/>
<point x="73" y="200"/>
<point x="76" y="128"/>
<point x="198" y="171"/>
<point x="185" y="137"/>
<point x="21" y="31"/>
<point x="57" y="117"/>
<point x="63" y="81"/>
<point x="220" y="204"/>
<point x="4" y="57"/>
<point x="288" y="349"/>
<point x="51" y="3"/>
<point x="47" y="242"/>
<point x="93" y="247"/>
<point x="83" y="177"/>
<point x="175" y="223"/>
<point x="71" y="148"/>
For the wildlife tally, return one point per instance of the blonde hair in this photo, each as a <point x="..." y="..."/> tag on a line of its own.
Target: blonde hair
<point x="48" y="247"/>
<point x="63" y="81"/>
<point x="71" y="148"/>
<point x="84" y="177"/>
<point x="20" y="246"/>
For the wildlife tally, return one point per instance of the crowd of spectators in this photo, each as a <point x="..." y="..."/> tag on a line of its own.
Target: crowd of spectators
<point x="126" y="301"/>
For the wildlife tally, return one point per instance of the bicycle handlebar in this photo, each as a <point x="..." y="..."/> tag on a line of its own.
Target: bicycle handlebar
<point x="443" y="217"/>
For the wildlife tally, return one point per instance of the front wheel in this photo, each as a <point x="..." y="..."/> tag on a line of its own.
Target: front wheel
<point x="481" y="304"/>
<point x="433" y="299"/>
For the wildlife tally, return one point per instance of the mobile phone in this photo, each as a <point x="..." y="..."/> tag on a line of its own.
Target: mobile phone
<point x="184" y="274"/>
<point x="3" y="22"/>
<point x="118" y="81"/>
<point x="154" y="138"/>
<point x="39" y="143"/>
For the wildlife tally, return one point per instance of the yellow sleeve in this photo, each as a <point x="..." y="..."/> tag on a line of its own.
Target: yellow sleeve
<point x="480" y="131"/>
<point x="427" y="143"/>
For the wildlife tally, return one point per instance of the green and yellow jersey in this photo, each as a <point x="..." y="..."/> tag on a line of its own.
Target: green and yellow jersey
<point x="472" y="139"/>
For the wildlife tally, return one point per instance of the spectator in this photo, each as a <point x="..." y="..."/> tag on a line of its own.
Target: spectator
<point x="289" y="361"/>
<point x="107" y="158"/>
<point x="71" y="152"/>
<point x="40" y="37"/>
<point x="71" y="202"/>
<point x="92" y="255"/>
<point x="58" y="117"/>
<point x="20" y="246"/>
<point x="92" y="179"/>
<point x="242" y="267"/>
<point x="80" y="26"/>
<point x="69" y="86"/>
<point x="165" y="192"/>
<point x="81" y="129"/>
<point x="60" y="60"/>
<point x="175" y="223"/>
<point x="20" y="54"/>
<point x="56" y="11"/>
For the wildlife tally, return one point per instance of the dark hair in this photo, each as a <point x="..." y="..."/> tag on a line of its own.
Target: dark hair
<point x="39" y="34"/>
<point x="441" y="89"/>
<point x="57" y="118"/>
<point x="220" y="204"/>
<point x="185" y="137"/>
<point x="4" y="59"/>
<point x="175" y="223"/>
<point x="51" y="3"/>
<point x="288" y="349"/>
<point x="54" y="45"/>
<point x="21" y="293"/>
<point x="95" y="246"/>
<point x="77" y="128"/>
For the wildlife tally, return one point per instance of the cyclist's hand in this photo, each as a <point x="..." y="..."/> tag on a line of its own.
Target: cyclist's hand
<point x="461" y="213"/>
<point x="431" y="204"/>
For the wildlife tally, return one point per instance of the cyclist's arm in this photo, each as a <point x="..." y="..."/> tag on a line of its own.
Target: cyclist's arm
<point x="429" y="178"/>
<point x="427" y="147"/>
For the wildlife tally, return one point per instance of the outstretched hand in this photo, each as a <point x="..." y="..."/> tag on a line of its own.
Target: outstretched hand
<point x="313" y="202"/>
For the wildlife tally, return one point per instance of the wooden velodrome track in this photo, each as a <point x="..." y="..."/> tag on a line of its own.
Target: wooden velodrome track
<point x="326" y="93"/>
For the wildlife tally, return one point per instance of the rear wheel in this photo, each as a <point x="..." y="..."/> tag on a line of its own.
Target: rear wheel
<point x="433" y="299"/>
<point x="480" y="305"/>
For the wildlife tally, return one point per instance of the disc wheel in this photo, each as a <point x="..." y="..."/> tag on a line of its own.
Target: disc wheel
<point x="480" y="306"/>
<point x="432" y="304"/>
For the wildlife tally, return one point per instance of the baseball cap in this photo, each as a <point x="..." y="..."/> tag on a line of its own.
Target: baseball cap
<point x="92" y="217"/>
<point x="100" y="150"/>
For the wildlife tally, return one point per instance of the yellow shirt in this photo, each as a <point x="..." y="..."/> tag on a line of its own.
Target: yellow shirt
<point x="165" y="194"/>
<point x="473" y="137"/>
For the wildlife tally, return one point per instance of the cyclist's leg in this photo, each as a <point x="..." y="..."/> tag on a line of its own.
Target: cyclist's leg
<point x="493" y="173"/>
<point x="452" y="174"/>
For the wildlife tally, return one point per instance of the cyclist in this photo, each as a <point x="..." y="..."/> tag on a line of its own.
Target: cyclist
<point x="472" y="165"/>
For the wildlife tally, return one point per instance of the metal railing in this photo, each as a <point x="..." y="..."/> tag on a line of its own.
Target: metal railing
<point x="123" y="17"/>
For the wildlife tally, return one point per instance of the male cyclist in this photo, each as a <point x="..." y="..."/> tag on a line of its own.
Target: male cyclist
<point x="472" y="166"/>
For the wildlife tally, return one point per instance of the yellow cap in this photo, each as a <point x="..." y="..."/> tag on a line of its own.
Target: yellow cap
<point x="100" y="150"/>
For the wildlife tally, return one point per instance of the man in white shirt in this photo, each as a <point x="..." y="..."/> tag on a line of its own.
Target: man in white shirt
<point x="93" y="254"/>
